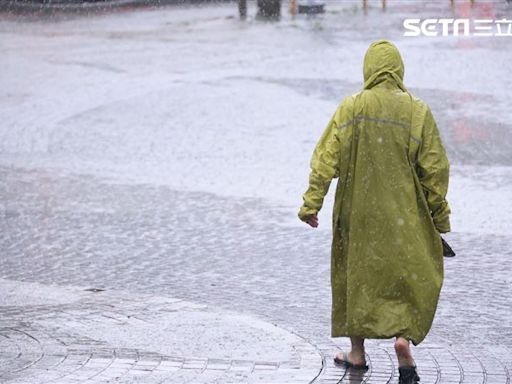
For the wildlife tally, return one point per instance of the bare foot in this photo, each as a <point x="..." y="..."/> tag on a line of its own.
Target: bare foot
<point x="403" y="353"/>
<point x="354" y="358"/>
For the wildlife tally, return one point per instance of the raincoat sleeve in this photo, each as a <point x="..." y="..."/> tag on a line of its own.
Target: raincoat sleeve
<point x="433" y="173"/>
<point x="324" y="167"/>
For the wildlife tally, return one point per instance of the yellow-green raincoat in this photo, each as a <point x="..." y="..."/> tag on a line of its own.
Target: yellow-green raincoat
<point x="384" y="146"/>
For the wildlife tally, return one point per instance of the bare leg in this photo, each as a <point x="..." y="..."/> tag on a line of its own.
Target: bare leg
<point x="356" y="355"/>
<point x="403" y="353"/>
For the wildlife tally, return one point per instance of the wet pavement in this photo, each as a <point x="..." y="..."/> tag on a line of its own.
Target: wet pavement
<point x="147" y="240"/>
<point x="73" y="335"/>
<point x="157" y="158"/>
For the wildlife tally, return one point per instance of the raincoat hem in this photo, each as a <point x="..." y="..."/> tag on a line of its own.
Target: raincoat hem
<point x="414" y="340"/>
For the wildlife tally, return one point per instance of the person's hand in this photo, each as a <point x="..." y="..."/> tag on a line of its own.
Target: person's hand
<point x="312" y="221"/>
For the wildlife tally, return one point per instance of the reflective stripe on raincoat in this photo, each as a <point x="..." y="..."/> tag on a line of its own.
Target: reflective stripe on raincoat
<point x="386" y="263"/>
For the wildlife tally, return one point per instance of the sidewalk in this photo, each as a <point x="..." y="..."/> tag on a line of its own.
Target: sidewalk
<point x="65" y="335"/>
<point x="73" y="335"/>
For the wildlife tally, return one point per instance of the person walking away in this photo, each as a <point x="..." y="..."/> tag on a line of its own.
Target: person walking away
<point x="390" y="207"/>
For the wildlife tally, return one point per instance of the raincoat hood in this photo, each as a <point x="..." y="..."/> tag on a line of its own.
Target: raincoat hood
<point x="383" y="62"/>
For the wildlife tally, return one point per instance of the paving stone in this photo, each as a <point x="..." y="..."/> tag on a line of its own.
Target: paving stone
<point x="139" y="256"/>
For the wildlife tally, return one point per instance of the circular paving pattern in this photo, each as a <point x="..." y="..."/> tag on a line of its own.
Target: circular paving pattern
<point x="121" y="337"/>
<point x="28" y="355"/>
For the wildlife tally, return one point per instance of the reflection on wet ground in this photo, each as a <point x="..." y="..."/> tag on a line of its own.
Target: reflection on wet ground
<point x="470" y="123"/>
